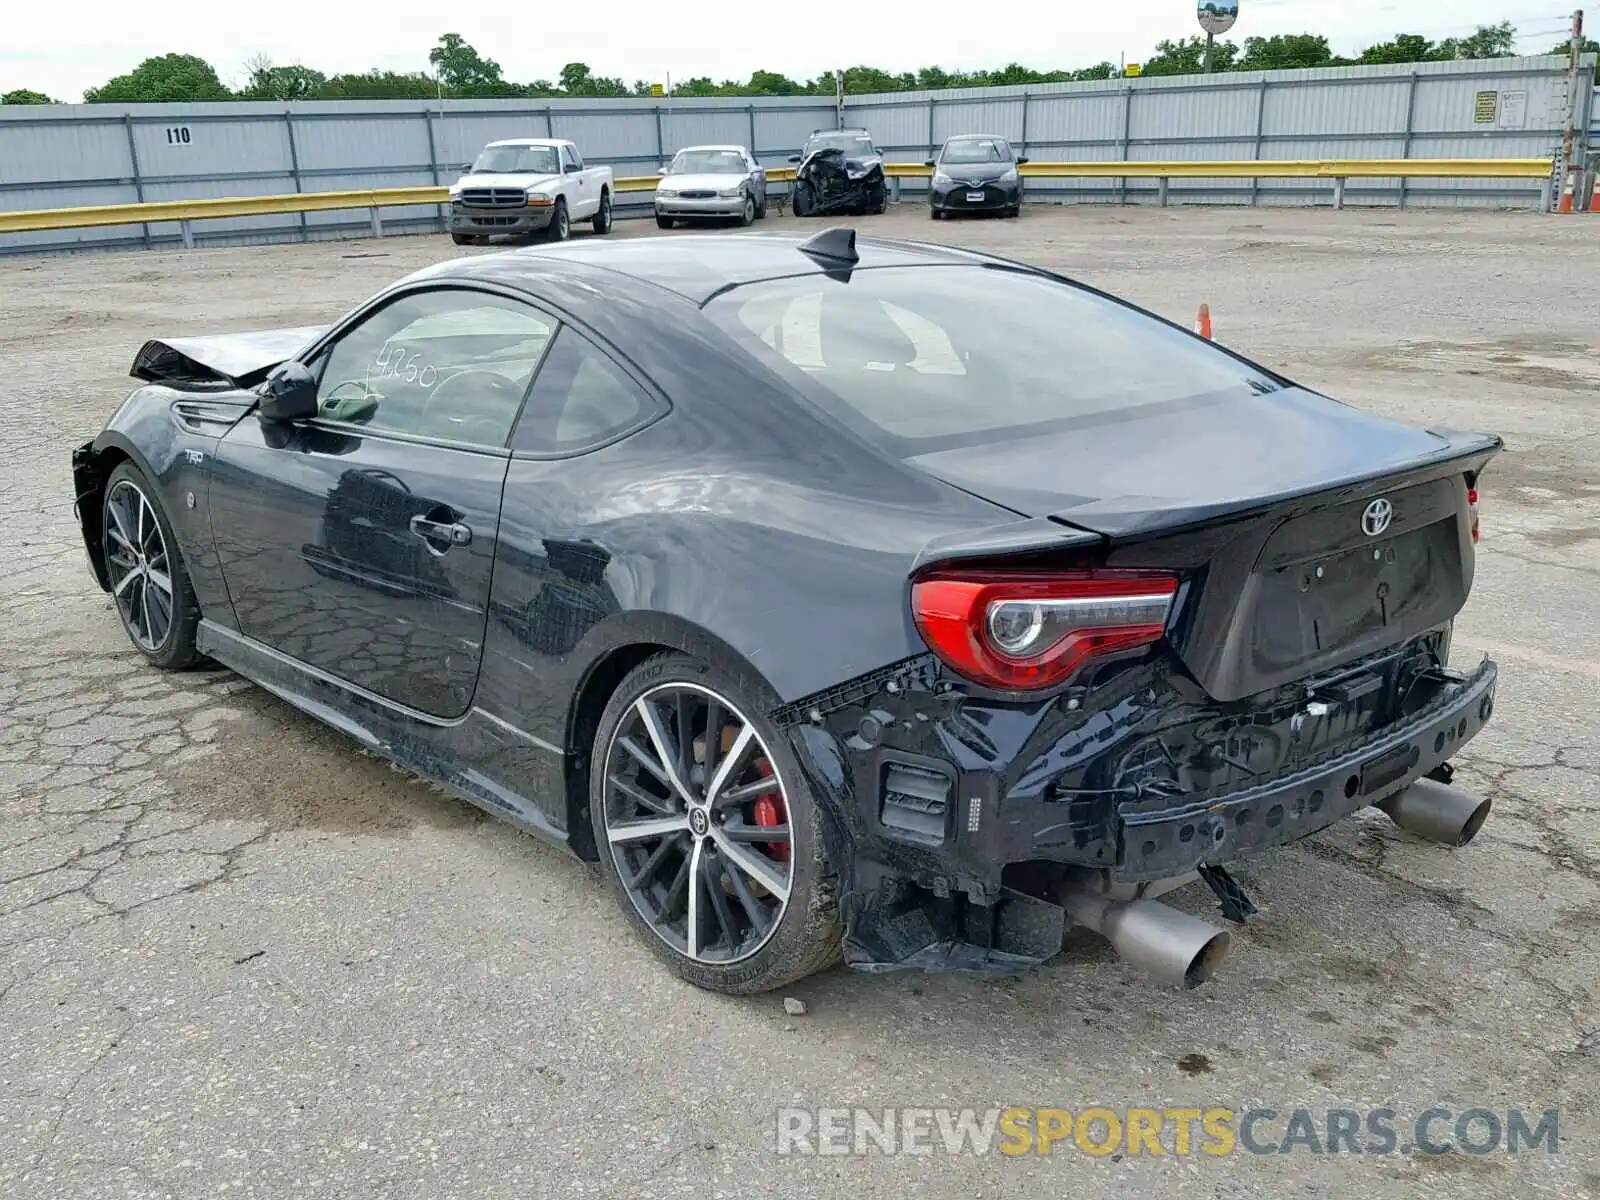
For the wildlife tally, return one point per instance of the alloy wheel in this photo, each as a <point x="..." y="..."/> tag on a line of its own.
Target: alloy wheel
<point x="697" y="821"/>
<point x="139" y="566"/>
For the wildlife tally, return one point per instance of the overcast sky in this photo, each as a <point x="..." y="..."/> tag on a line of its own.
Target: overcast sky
<point x="62" y="51"/>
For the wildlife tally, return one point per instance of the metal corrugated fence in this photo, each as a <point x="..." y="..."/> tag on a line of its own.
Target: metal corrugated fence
<point x="74" y="156"/>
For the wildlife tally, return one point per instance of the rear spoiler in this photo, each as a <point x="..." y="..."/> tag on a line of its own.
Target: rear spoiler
<point x="239" y="359"/>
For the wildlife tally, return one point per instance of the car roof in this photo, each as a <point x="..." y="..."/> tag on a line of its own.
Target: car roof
<point x="976" y="137"/>
<point x="711" y="146"/>
<point x="529" y="142"/>
<point x="695" y="268"/>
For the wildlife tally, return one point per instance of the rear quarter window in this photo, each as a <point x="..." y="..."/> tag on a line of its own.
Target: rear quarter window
<point x="928" y="357"/>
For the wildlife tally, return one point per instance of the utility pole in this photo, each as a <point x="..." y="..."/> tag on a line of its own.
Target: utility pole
<point x="1569" y="133"/>
<point x="1211" y="42"/>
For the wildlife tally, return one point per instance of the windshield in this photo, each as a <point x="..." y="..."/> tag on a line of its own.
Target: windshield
<point x="850" y="143"/>
<point x="926" y="358"/>
<point x="516" y="160"/>
<point x="707" y="162"/>
<point x="976" y="150"/>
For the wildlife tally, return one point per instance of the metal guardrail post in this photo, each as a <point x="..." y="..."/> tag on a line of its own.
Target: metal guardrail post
<point x="294" y="169"/>
<point x="1122" y="149"/>
<point x="1411" y="121"/>
<point x="894" y="189"/>
<point x="1261" y="116"/>
<point x="661" y="145"/>
<point x="433" y="161"/>
<point x="1022" y="145"/>
<point x="377" y="222"/>
<point x="932" y="145"/>
<point x="1161" y="191"/>
<point x="1338" y="192"/>
<point x="186" y="228"/>
<point x="138" y="182"/>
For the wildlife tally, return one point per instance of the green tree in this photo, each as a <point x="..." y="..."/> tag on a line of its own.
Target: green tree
<point x="268" y="82"/>
<point x="465" y="72"/>
<point x="1285" y="51"/>
<point x="1406" y="48"/>
<point x="26" y="96"/>
<point x="1490" y="41"/>
<point x="1590" y="46"/>
<point x="171" y="77"/>
<point x="378" y="85"/>
<point x="770" y="83"/>
<point x="1187" y="56"/>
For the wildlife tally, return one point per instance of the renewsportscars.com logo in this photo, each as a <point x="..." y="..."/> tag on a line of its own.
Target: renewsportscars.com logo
<point x="1161" y="1132"/>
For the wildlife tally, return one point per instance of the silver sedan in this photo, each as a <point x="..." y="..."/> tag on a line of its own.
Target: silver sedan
<point x="711" y="182"/>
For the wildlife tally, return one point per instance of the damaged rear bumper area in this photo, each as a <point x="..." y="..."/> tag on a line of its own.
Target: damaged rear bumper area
<point x="971" y="834"/>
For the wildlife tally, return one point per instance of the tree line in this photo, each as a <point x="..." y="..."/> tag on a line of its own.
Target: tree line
<point x="460" y="72"/>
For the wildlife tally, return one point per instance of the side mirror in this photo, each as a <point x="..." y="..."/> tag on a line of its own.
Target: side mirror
<point x="930" y="163"/>
<point x="794" y="158"/>
<point x="1022" y="160"/>
<point x="289" y="394"/>
<point x="661" y="170"/>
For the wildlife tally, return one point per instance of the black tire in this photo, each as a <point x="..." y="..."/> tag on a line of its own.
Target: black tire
<point x="664" y="222"/>
<point x="1014" y="211"/>
<point x="804" y="202"/>
<point x="806" y="934"/>
<point x="761" y="208"/>
<point x="747" y="214"/>
<point x="560" y="227"/>
<point x="170" y="646"/>
<point x="601" y="222"/>
<point x="463" y="239"/>
<point x="880" y="204"/>
<point x="934" y="214"/>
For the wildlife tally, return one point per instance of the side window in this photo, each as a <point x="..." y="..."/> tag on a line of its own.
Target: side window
<point x="451" y="364"/>
<point x="572" y="159"/>
<point x="581" y="400"/>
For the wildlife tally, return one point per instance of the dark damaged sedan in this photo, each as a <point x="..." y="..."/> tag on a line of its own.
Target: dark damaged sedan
<point x="872" y="600"/>
<point x="975" y="173"/>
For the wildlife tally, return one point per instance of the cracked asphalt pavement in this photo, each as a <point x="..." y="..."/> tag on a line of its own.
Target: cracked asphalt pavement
<point x="239" y="957"/>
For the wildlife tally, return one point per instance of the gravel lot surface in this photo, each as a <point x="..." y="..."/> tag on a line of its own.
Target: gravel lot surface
<point x="238" y="957"/>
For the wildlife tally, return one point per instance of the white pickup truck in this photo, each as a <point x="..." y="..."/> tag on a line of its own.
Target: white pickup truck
<point x="527" y="187"/>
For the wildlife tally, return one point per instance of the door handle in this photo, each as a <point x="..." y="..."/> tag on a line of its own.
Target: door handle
<point x="453" y="532"/>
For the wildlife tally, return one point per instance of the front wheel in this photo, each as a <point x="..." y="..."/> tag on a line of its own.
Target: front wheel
<point x="707" y="830"/>
<point x="804" y="202"/>
<point x="560" y="227"/>
<point x="602" y="216"/>
<point x="149" y="582"/>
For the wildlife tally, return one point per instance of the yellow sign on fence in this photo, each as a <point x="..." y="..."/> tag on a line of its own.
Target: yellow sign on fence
<point x="1131" y="70"/>
<point x="657" y="90"/>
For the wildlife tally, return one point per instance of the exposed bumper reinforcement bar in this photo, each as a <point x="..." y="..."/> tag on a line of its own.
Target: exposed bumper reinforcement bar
<point x="1174" y="840"/>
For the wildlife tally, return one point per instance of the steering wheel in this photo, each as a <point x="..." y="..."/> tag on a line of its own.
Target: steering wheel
<point x="470" y="400"/>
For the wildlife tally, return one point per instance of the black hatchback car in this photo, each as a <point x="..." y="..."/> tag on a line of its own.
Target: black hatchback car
<point x="975" y="173"/>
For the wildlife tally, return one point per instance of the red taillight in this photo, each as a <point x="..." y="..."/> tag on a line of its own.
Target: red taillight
<point x="1025" y="631"/>
<point x="1472" y="510"/>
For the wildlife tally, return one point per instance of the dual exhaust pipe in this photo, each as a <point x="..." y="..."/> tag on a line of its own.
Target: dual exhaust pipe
<point x="1185" y="951"/>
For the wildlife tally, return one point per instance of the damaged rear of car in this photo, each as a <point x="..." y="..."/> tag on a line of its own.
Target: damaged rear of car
<point x="1217" y="621"/>
<point x="839" y="171"/>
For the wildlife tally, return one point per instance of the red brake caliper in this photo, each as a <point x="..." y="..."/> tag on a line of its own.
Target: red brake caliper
<point x="769" y="811"/>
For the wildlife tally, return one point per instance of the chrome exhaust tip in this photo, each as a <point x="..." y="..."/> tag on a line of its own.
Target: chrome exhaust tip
<point x="1437" y="811"/>
<point x="1178" y="949"/>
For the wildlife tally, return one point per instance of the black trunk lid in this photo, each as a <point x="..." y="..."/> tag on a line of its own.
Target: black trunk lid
<point x="1265" y="506"/>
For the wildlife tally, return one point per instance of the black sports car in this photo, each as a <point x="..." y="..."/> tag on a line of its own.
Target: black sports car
<point x="864" y="596"/>
<point x="839" y="171"/>
<point x="975" y="173"/>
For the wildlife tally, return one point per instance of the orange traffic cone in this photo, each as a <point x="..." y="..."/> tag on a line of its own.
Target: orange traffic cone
<point x="1594" y="194"/>
<point x="1565" y="204"/>
<point x="1202" y="322"/>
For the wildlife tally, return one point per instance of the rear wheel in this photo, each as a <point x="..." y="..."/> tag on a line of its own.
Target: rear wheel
<point x="707" y="831"/>
<point x="747" y="214"/>
<point x="602" y="215"/>
<point x="149" y="582"/>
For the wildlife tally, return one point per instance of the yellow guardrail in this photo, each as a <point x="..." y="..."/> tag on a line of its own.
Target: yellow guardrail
<point x="1338" y="170"/>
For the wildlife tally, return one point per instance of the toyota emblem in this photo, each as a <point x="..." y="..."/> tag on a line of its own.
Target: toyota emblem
<point x="1377" y="517"/>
